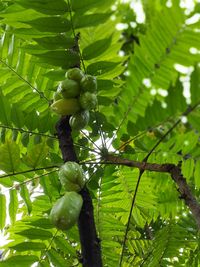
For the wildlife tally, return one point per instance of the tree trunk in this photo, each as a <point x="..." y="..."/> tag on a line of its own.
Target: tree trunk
<point x="90" y="243"/>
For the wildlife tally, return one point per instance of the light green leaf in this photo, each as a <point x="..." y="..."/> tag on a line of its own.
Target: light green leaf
<point x="19" y="260"/>
<point x="56" y="258"/>
<point x="33" y="233"/>
<point x="28" y="246"/>
<point x="197" y="174"/>
<point x="96" y="48"/>
<point x="3" y="211"/>
<point x="36" y="154"/>
<point x="5" y="110"/>
<point x="13" y="205"/>
<point x="90" y="20"/>
<point x="187" y="168"/>
<point x="24" y="193"/>
<point x="9" y="156"/>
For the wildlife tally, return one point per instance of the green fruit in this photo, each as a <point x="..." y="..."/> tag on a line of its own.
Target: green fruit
<point x="88" y="100"/>
<point x="66" y="210"/>
<point x="57" y="96"/>
<point x="69" y="88"/>
<point x="66" y="106"/>
<point x="79" y="120"/>
<point x="71" y="176"/>
<point x="88" y="83"/>
<point x="75" y="74"/>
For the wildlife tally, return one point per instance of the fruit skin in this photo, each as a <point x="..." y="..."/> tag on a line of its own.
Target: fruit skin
<point x="66" y="106"/>
<point x="88" y="84"/>
<point x="88" y="100"/>
<point x="79" y="120"/>
<point x="75" y="74"/>
<point x="71" y="176"/>
<point x="69" y="88"/>
<point x="66" y="210"/>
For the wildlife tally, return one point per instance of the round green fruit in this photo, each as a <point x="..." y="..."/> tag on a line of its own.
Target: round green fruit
<point x="75" y="74"/>
<point x="88" y="83"/>
<point x="88" y="100"/>
<point x="71" y="176"/>
<point x="66" y="106"/>
<point x="79" y="120"/>
<point x="66" y="210"/>
<point x="69" y="88"/>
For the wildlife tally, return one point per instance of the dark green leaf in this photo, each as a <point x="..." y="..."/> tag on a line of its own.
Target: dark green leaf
<point x="49" y="7"/>
<point x="50" y="24"/>
<point x="96" y="48"/>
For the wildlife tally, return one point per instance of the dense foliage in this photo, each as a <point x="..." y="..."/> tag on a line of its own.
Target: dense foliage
<point x="144" y="216"/>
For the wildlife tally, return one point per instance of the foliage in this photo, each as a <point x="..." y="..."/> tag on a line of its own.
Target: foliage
<point x="140" y="97"/>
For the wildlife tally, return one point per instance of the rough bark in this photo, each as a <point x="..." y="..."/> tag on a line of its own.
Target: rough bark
<point x="90" y="244"/>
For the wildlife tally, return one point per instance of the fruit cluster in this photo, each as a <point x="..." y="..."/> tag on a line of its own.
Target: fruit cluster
<point x="76" y="96"/>
<point x="66" y="210"/>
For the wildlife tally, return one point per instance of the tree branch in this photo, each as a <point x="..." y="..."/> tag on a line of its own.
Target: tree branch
<point x="90" y="244"/>
<point x="174" y="171"/>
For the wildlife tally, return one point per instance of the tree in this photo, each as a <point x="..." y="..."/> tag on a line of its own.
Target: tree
<point x="140" y="151"/>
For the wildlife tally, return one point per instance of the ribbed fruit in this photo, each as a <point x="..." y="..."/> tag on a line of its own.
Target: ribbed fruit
<point x="66" y="210"/>
<point x="66" y="106"/>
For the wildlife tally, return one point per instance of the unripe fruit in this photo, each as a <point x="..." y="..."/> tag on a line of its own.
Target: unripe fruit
<point x="66" y="106"/>
<point x="69" y="88"/>
<point x="79" y="120"/>
<point x="88" y="83"/>
<point x="74" y="74"/>
<point x="88" y="100"/>
<point x="71" y="176"/>
<point x="66" y="210"/>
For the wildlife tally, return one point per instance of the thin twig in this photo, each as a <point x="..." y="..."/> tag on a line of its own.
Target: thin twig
<point x="31" y="170"/>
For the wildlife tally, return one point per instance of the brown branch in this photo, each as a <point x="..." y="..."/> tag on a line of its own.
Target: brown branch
<point x="90" y="244"/>
<point x="174" y="171"/>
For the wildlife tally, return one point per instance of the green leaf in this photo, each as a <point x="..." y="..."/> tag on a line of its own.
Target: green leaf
<point x="5" y="110"/>
<point x="49" y="7"/>
<point x="33" y="233"/>
<point x="101" y="67"/>
<point x="64" y="245"/>
<point x="64" y="59"/>
<point x="36" y="154"/>
<point x="13" y="205"/>
<point x="89" y="4"/>
<point x="42" y="223"/>
<point x="24" y="193"/>
<point x="56" y="258"/>
<point x="19" y="260"/>
<point x="187" y="168"/>
<point x="90" y="20"/>
<point x="36" y="246"/>
<point x="3" y="211"/>
<point x="9" y="156"/>
<point x="50" y="24"/>
<point x="55" y="42"/>
<point x="195" y="85"/>
<point x="96" y="48"/>
<point x="197" y="173"/>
